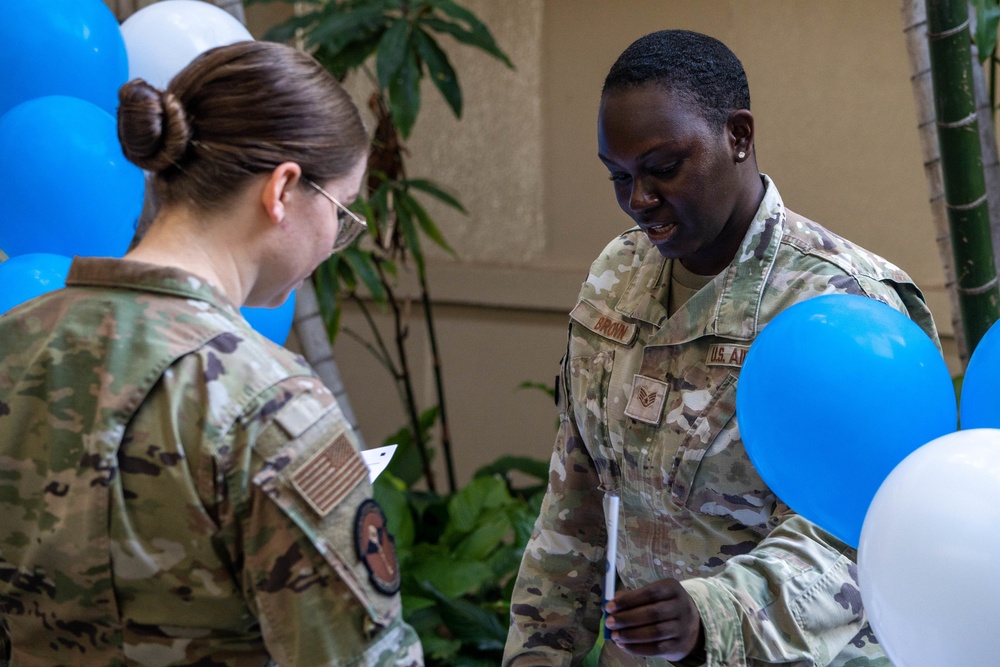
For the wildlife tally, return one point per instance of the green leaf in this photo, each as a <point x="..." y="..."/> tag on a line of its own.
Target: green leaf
<point x="987" y="22"/>
<point x="363" y="266"/>
<point x="505" y="561"/>
<point x="428" y="418"/>
<point x="541" y="386"/>
<point x="406" y="464"/>
<point x="414" y="603"/>
<point x="285" y="31"/>
<point x="328" y="290"/>
<point x="451" y="576"/>
<point x="480" y="39"/>
<point x="469" y="622"/>
<point x="404" y="94"/>
<point x="345" y="274"/>
<point x="441" y="649"/>
<point x="985" y="34"/>
<point x="524" y="522"/>
<point x="480" y="494"/>
<point x="440" y="70"/>
<point x="426" y="223"/>
<point x="336" y="25"/>
<point x="505" y="464"/>
<point x="379" y="202"/>
<point x="348" y="57"/>
<point x="476" y="27"/>
<point x="399" y="521"/>
<point x="426" y="620"/>
<point x="410" y="234"/>
<point x="488" y="534"/>
<point x="433" y="190"/>
<point x="392" y="51"/>
<point x="594" y="657"/>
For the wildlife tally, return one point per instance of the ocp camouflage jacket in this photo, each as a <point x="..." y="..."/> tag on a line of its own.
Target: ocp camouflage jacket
<point x="648" y="412"/>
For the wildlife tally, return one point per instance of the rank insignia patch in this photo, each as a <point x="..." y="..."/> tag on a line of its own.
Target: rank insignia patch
<point x="646" y="402"/>
<point x="376" y="548"/>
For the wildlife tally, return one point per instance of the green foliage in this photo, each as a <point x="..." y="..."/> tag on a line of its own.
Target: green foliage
<point x="399" y="40"/>
<point x="458" y="551"/>
<point x="403" y="38"/>
<point x="459" y="554"/>
<point x="987" y="22"/>
<point x="987" y="17"/>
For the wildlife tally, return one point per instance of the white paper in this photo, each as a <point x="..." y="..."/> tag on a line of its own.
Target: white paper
<point x="377" y="459"/>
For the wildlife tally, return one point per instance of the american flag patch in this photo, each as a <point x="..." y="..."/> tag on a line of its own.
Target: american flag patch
<point x="329" y="475"/>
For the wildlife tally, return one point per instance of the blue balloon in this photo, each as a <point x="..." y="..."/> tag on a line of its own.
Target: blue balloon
<point x="273" y="323"/>
<point x="61" y="47"/>
<point x="26" y="276"/>
<point x="980" y="396"/>
<point x="66" y="186"/>
<point x="833" y="394"/>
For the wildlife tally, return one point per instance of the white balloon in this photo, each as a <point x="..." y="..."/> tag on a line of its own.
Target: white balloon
<point x="161" y="39"/>
<point x="929" y="555"/>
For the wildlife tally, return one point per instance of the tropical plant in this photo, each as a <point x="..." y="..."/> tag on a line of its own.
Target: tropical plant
<point x="460" y="549"/>
<point x="459" y="555"/>
<point x="394" y="44"/>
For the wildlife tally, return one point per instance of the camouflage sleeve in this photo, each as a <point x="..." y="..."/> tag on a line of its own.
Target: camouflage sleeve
<point x="907" y="298"/>
<point x="320" y="572"/>
<point x="793" y="599"/>
<point x="556" y="603"/>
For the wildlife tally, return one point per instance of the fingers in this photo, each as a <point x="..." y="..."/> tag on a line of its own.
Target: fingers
<point x="659" y="619"/>
<point x="658" y="591"/>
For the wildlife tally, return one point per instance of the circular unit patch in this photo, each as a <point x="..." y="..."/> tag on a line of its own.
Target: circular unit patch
<point x="376" y="548"/>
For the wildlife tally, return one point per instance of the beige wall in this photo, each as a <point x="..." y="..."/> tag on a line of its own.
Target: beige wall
<point x="836" y="130"/>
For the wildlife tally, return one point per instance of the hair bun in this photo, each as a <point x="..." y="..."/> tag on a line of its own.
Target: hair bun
<point x="152" y="126"/>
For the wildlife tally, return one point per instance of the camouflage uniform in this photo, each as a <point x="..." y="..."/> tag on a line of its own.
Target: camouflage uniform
<point x="649" y="413"/>
<point x="176" y="489"/>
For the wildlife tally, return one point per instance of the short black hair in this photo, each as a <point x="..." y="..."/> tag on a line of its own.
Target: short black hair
<point x="695" y="65"/>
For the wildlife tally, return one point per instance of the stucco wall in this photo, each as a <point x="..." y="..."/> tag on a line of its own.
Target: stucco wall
<point x="835" y="128"/>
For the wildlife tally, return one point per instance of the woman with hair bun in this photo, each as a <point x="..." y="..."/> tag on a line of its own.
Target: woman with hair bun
<point x="176" y="489"/>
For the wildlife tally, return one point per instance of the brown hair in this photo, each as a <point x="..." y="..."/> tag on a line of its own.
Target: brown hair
<point x="234" y="112"/>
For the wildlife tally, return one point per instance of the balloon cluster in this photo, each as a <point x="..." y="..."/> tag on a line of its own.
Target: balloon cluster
<point x="67" y="188"/>
<point x="848" y="412"/>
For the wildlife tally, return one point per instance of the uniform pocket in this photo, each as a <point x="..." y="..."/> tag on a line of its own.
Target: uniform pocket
<point x="588" y="379"/>
<point x="712" y="472"/>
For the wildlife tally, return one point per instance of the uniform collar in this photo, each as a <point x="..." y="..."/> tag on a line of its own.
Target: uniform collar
<point x="107" y="272"/>
<point x="729" y="305"/>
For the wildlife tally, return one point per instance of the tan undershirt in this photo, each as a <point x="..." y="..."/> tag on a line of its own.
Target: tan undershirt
<point x="683" y="285"/>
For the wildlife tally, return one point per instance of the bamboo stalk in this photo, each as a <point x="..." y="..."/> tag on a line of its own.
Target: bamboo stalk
<point x="962" y="166"/>
<point x="914" y="14"/>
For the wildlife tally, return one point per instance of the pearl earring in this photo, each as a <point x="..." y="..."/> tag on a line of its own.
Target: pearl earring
<point x="741" y="155"/>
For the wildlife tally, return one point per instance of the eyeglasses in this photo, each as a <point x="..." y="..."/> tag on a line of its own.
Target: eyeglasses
<point x="350" y="223"/>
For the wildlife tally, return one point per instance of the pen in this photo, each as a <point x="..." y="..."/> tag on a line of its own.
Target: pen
<point x="612" y="552"/>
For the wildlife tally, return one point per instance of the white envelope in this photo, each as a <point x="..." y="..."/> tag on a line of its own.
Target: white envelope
<point x="377" y="459"/>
